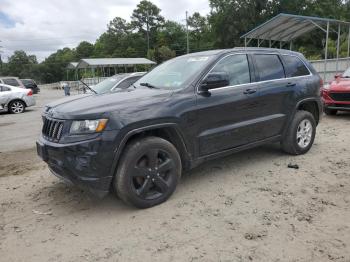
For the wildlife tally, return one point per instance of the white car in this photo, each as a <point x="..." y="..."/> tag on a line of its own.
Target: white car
<point x="15" y="99"/>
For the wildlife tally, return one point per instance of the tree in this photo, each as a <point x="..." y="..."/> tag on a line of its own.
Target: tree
<point x="199" y="29"/>
<point x="84" y="50"/>
<point x="173" y="35"/>
<point x="119" y="26"/>
<point x="146" y="19"/>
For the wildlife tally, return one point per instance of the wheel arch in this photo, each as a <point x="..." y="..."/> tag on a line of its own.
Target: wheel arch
<point x="16" y="99"/>
<point x="310" y="105"/>
<point x="167" y="131"/>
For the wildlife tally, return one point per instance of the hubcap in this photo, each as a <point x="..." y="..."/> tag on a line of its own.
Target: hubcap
<point x="17" y="107"/>
<point x="152" y="174"/>
<point x="304" y="133"/>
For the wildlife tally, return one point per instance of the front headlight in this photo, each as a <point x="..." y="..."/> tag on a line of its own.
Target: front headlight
<point x="88" y="126"/>
<point x="326" y="86"/>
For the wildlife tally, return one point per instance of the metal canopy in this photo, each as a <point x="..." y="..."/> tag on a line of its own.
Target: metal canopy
<point x="286" y="27"/>
<point x="72" y="65"/>
<point x="111" y="62"/>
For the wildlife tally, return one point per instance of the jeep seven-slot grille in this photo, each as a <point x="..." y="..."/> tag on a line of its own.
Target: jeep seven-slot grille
<point x="340" y="96"/>
<point x="52" y="129"/>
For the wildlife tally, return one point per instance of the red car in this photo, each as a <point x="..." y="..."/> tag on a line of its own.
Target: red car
<point x="336" y="94"/>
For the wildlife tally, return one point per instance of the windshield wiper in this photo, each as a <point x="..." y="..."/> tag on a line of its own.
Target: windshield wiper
<point x="148" y="85"/>
<point x="88" y="87"/>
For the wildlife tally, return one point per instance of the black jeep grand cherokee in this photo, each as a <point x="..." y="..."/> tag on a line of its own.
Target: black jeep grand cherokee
<point x="187" y="110"/>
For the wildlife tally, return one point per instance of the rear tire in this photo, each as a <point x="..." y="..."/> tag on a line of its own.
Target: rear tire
<point x="17" y="107"/>
<point x="148" y="172"/>
<point x="330" y="112"/>
<point x="301" y="134"/>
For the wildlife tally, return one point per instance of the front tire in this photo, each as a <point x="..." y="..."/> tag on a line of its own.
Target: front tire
<point x="301" y="134"/>
<point x="17" y="107"/>
<point x="148" y="172"/>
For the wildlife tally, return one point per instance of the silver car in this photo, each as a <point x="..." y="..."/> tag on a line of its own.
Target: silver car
<point x="117" y="82"/>
<point x="14" y="99"/>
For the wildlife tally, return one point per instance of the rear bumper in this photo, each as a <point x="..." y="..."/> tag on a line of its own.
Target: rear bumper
<point x="30" y="101"/>
<point x="83" y="164"/>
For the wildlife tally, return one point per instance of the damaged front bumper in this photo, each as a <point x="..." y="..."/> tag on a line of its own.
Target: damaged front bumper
<point x="82" y="163"/>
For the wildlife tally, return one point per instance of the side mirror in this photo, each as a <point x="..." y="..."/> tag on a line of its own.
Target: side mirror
<point x="215" y="80"/>
<point x="337" y="76"/>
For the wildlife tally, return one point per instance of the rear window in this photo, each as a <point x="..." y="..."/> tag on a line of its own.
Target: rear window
<point x="294" y="66"/>
<point x="10" y="82"/>
<point x="269" y="67"/>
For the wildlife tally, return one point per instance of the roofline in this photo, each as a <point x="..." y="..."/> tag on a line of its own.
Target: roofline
<point x="313" y="18"/>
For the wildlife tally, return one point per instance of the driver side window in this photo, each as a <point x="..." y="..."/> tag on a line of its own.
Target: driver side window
<point x="236" y="67"/>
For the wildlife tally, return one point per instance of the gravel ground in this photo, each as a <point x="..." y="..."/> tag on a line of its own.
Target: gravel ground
<point x="246" y="207"/>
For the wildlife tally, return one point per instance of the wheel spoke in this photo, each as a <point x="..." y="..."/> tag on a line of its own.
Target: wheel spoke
<point x="161" y="184"/>
<point x="144" y="189"/>
<point x="166" y="165"/>
<point x="152" y="156"/>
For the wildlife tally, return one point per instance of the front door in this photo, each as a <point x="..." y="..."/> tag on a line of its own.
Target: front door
<point x="227" y="118"/>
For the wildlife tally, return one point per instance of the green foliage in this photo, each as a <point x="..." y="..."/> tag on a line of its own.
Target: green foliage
<point x="222" y="28"/>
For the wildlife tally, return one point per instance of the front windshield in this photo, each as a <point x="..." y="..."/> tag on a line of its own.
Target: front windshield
<point x="175" y="73"/>
<point x="347" y="73"/>
<point x="107" y="84"/>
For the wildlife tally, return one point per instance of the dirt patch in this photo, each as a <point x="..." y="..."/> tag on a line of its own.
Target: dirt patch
<point x="246" y="207"/>
<point x="19" y="162"/>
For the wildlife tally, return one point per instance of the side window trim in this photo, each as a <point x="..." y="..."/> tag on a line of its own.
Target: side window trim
<point x="258" y="73"/>
<point x="218" y="61"/>
<point x="308" y="69"/>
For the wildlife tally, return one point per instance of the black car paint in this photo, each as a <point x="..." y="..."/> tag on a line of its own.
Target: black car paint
<point x="203" y="123"/>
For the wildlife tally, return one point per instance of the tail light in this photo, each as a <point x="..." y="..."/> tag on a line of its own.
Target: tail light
<point x="30" y="93"/>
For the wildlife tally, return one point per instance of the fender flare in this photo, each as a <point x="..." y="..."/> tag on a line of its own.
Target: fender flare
<point x="119" y="150"/>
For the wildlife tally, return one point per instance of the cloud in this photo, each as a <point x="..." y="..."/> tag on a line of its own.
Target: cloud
<point x="41" y="27"/>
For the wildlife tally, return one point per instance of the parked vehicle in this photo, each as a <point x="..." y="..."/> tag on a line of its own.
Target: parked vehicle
<point x="14" y="99"/>
<point x="184" y="112"/>
<point x="30" y="83"/>
<point x="336" y="94"/>
<point x="113" y="83"/>
<point x="11" y="81"/>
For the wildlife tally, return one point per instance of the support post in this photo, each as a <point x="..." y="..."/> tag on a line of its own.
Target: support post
<point x="338" y="45"/>
<point x="280" y="44"/>
<point x="147" y="31"/>
<point x="258" y="42"/>
<point x="348" y="48"/>
<point x="270" y="43"/>
<point x="326" y="53"/>
<point x="187" y="39"/>
<point x="245" y="42"/>
<point x="290" y="45"/>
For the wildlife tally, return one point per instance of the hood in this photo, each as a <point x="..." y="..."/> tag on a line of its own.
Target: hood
<point x="92" y="106"/>
<point x="65" y="100"/>
<point x="341" y="84"/>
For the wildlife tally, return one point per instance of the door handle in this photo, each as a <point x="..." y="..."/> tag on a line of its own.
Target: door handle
<point x="290" y="84"/>
<point x="249" y="91"/>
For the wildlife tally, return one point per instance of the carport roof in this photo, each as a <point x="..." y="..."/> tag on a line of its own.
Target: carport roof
<point x="286" y="27"/>
<point x="72" y="65"/>
<point x="110" y="62"/>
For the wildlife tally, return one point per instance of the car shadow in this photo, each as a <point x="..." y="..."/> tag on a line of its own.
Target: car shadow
<point x="69" y="198"/>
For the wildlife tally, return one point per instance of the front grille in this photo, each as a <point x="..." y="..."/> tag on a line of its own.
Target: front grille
<point x="52" y="129"/>
<point x="340" y="96"/>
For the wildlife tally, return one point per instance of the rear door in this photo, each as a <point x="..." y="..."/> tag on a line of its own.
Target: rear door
<point x="274" y="94"/>
<point x="5" y="95"/>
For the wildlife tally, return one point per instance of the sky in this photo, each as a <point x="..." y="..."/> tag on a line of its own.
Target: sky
<point x="40" y="27"/>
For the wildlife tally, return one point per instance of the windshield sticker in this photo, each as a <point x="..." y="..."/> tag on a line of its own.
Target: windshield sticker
<point x="198" y="59"/>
